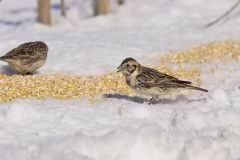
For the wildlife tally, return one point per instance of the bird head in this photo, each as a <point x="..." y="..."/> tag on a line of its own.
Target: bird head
<point x="129" y="66"/>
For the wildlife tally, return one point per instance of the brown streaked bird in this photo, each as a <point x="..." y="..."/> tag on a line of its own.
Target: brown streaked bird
<point x="150" y="82"/>
<point x="27" y="58"/>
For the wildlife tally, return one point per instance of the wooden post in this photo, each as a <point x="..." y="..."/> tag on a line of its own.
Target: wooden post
<point x="63" y="10"/>
<point x="102" y="7"/>
<point x="120" y="2"/>
<point x="44" y="12"/>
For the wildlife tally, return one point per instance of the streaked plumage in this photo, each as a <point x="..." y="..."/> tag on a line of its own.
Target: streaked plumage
<point x="27" y="57"/>
<point x="149" y="81"/>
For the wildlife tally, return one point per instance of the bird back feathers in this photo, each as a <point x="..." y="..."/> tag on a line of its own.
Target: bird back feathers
<point x="26" y="50"/>
<point x="152" y="78"/>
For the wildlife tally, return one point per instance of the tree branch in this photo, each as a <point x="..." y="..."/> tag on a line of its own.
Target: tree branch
<point x="224" y="15"/>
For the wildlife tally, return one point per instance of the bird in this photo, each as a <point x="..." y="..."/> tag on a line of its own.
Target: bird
<point x="150" y="82"/>
<point x="27" y="57"/>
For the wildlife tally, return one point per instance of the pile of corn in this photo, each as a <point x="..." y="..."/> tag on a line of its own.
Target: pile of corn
<point x="62" y="87"/>
<point x="225" y="50"/>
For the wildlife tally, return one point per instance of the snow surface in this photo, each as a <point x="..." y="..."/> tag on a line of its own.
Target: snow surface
<point x="200" y="127"/>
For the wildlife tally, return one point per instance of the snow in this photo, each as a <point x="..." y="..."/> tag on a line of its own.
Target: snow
<point x="199" y="127"/>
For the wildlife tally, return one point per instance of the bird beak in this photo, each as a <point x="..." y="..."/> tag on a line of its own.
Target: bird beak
<point x="119" y="69"/>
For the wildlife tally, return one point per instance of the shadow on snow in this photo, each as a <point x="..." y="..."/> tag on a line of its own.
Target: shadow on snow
<point x="141" y="100"/>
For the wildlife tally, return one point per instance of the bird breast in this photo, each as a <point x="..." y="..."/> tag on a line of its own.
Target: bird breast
<point x="132" y="82"/>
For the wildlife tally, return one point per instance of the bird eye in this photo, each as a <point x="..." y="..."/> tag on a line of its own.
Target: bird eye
<point x="127" y="65"/>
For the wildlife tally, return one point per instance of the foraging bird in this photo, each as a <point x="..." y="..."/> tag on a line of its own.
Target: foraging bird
<point x="150" y="82"/>
<point x="27" y="57"/>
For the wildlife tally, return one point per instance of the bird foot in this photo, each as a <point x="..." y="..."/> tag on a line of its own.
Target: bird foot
<point x="153" y="100"/>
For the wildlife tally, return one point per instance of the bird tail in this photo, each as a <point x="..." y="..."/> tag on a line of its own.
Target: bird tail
<point x="2" y="58"/>
<point x="196" y="88"/>
<point x="183" y="82"/>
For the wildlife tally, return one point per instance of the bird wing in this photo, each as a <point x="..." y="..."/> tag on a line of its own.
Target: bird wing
<point x="22" y="51"/>
<point x="152" y="78"/>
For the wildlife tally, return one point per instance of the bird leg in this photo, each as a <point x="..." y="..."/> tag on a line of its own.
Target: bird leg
<point x="153" y="100"/>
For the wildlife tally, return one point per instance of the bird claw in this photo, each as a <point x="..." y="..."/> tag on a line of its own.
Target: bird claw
<point x="153" y="100"/>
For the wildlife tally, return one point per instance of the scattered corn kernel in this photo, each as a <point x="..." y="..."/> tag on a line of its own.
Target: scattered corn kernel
<point x="62" y="87"/>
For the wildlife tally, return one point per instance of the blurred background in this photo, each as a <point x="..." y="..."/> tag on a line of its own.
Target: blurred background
<point x="110" y="30"/>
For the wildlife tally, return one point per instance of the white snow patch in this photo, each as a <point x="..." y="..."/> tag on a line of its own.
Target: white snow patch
<point x="220" y="97"/>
